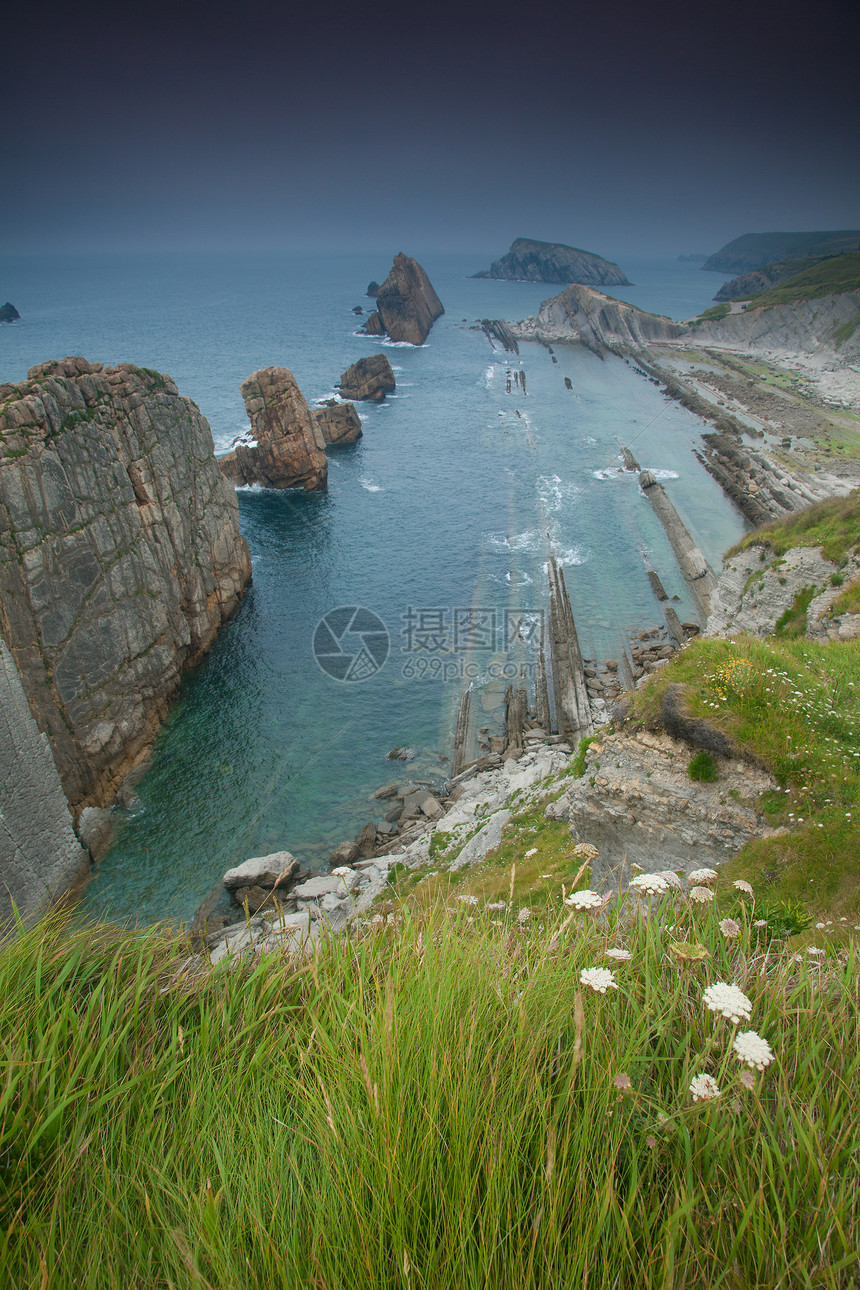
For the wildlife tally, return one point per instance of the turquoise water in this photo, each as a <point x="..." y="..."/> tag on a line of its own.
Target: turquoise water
<point x="452" y="501"/>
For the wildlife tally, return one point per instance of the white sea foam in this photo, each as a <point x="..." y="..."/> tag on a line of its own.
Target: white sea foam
<point x="610" y="472"/>
<point x="530" y="540"/>
<point x="401" y="344"/>
<point x="556" y="493"/>
<point x="369" y="485"/>
<point x="334" y="396"/>
<point x="663" y="474"/>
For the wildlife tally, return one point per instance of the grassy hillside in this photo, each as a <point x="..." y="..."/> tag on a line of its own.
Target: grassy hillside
<point x="832" y="525"/>
<point x="754" y="250"/>
<point x="825" y="278"/>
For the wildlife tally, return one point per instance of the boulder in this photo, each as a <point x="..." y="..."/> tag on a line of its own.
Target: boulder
<point x="406" y="304"/>
<point x="339" y="423"/>
<point x="366" y="841"/>
<point x="96" y="830"/>
<point x="370" y="379"/>
<point x="269" y="871"/>
<point x="344" y="853"/>
<point x="8" y="313"/>
<point x="388" y="790"/>
<point x="289" y="451"/>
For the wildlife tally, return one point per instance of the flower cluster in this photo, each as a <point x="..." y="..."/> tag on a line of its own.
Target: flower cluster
<point x="728" y="1001"/>
<point x="583" y="900"/>
<point x="752" y="1050"/>
<point x="599" y="979"/>
<point x="704" y="1088"/>
<point x="651" y="884"/>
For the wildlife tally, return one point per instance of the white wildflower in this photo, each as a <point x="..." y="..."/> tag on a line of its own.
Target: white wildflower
<point x="533" y="852"/>
<point x="341" y="871"/>
<point x="469" y="900"/>
<point x="701" y="894"/>
<point x="730" y="929"/>
<point x="600" y="979"/>
<point x="623" y="1081"/>
<point x="621" y="955"/>
<point x="496" y="904"/>
<point x="728" y="1001"/>
<point x="650" y="884"/>
<point x="670" y="877"/>
<point x="740" y="885"/>
<point x="752" y="1050"/>
<point x="819" y="927"/>
<point x="524" y="915"/>
<point x="702" y="875"/>
<point x="704" y="1088"/>
<point x="637" y="868"/>
<point x="760" y="922"/>
<point x="583" y="900"/>
<point x="814" y="950"/>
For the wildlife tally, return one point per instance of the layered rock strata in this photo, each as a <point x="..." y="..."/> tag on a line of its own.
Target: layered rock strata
<point x="368" y="380"/>
<point x="289" y="447"/>
<point x="338" y="423"/>
<point x="120" y="558"/>
<point x="532" y="261"/>
<point x="406" y="304"/>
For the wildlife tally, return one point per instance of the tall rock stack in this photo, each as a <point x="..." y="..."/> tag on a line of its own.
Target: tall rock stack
<point x="289" y="451"/>
<point x="120" y="558"/>
<point x="406" y="304"/>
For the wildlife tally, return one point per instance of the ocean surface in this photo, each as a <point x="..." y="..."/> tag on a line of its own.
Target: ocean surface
<point x="439" y="523"/>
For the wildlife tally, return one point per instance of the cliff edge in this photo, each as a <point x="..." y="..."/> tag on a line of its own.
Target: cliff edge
<point x="120" y="558"/>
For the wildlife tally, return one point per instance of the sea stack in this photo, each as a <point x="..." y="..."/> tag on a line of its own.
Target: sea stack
<point x="289" y="447"/>
<point x="368" y="380"/>
<point x="8" y="313"/>
<point x="406" y="304"/>
<point x="339" y="423"/>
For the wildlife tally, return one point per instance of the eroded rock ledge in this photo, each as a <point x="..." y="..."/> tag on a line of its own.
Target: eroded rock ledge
<point x="120" y="558"/>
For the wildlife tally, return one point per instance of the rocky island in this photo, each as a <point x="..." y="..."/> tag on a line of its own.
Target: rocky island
<point x="532" y="261"/>
<point x="8" y="313"/>
<point x="406" y="304"/>
<point x="369" y="379"/>
<point x="287" y="445"/>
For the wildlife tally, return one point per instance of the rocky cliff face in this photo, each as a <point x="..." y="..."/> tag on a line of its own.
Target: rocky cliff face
<point x="756" y="589"/>
<point x="370" y="379"/>
<point x="289" y="448"/>
<point x="406" y="304"/>
<point x="338" y="423"/>
<point x="596" y="321"/>
<point x="40" y="857"/>
<point x="120" y="557"/>
<point x="531" y="261"/>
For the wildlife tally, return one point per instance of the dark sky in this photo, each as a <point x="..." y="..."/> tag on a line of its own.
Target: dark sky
<point x="611" y="126"/>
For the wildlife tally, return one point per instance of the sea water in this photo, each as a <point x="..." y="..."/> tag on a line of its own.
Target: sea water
<point x="439" y="522"/>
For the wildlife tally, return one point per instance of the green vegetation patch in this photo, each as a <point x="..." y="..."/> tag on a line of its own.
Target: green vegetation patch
<point x="714" y="314"/>
<point x="792" y="705"/>
<point x="703" y="767"/>
<point x="848" y="601"/>
<point x="832" y="525"/>
<point x="437" y="1102"/>
<point x="829" y="277"/>
<point x="793" y="621"/>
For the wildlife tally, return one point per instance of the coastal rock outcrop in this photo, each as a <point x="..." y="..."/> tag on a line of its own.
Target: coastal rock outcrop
<point x="406" y="304"/>
<point x="120" y="558"/>
<point x="339" y="423"/>
<point x="532" y="261"/>
<point x="289" y="448"/>
<point x="370" y="379"/>
<point x="8" y="313"/>
<point x="597" y="321"/>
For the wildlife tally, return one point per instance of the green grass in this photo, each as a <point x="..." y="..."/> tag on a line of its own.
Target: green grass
<point x="792" y="705"/>
<point x="714" y="314"/>
<point x="832" y="525"/>
<point x="828" y="277"/>
<point x="848" y="602"/>
<point x="430" y="1105"/>
<point x="703" y="767"/>
<point x="793" y="621"/>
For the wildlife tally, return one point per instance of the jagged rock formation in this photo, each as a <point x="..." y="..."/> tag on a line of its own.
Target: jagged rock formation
<point x="368" y="380"/>
<point x="637" y="805"/>
<point x="532" y="261"/>
<point x="289" y="448"/>
<point x="372" y="289"/>
<point x="753" y="250"/>
<point x="597" y="321"/>
<point x="339" y="423"/>
<point x="120" y="558"/>
<point x="40" y="857"/>
<point x="8" y="313"/>
<point x="695" y="569"/>
<point x="406" y="304"/>
<point x="756" y="589"/>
